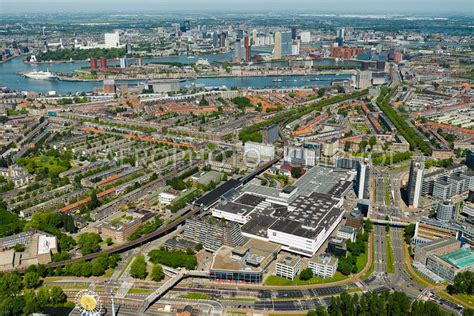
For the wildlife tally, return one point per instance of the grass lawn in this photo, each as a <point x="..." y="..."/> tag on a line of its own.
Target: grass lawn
<point x="125" y="267"/>
<point x="196" y="296"/>
<point x="139" y="291"/>
<point x="362" y="259"/>
<point x="371" y="268"/>
<point x="467" y="301"/>
<point x="401" y="168"/>
<point x="108" y="273"/>
<point x="390" y="256"/>
<point x="239" y="299"/>
<point x="45" y="165"/>
<point x="276" y="280"/>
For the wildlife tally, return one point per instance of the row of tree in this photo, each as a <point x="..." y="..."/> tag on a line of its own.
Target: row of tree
<point x="391" y="159"/>
<point x="18" y="297"/>
<point x="384" y="304"/>
<point x="400" y="122"/>
<point x="253" y="132"/>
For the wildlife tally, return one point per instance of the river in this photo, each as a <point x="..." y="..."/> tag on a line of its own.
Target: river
<point x="9" y="76"/>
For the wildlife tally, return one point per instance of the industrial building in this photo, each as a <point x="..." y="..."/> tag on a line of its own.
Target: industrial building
<point x="299" y="217"/>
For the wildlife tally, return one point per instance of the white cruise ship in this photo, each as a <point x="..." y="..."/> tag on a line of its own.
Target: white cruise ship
<point x="41" y="75"/>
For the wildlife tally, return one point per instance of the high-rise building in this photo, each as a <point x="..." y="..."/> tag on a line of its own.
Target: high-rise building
<point x="93" y="62"/>
<point x="445" y="211"/>
<point x="215" y="39"/>
<point x="123" y="62"/>
<point x="277" y="47"/>
<point x="129" y="48"/>
<point x="340" y="33"/>
<point x="238" y="50"/>
<point x="103" y="63"/>
<point x="415" y="183"/>
<point x="254" y="37"/>
<point x="109" y="86"/>
<point x="295" y="48"/>
<point x="240" y="34"/>
<point x="294" y="36"/>
<point x="185" y="26"/>
<point x="363" y="79"/>
<point x="340" y="37"/>
<point x="305" y="37"/>
<point x="362" y="181"/>
<point x="222" y="40"/>
<point x="112" y="40"/>
<point x="247" y="47"/>
<point x="470" y="159"/>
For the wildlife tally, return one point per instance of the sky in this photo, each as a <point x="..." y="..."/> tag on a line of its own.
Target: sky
<point x="425" y="7"/>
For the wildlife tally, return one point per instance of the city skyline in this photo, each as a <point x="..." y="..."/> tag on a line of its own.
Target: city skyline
<point x="437" y="7"/>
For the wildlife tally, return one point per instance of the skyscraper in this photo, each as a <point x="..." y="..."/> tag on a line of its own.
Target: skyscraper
<point x="293" y="33"/>
<point x="185" y="26"/>
<point x="362" y="182"/>
<point x="238" y="50"/>
<point x="277" y="47"/>
<point x="340" y="37"/>
<point x="247" y="46"/>
<point x="222" y="40"/>
<point x="470" y="159"/>
<point x="254" y="37"/>
<point x="415" y="183"/>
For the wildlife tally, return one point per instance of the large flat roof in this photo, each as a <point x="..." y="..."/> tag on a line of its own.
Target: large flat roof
<point x="461" y="258"/>
<point x="437" y="243"/>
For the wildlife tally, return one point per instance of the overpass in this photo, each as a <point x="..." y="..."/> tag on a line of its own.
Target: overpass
<point x="390" y="222"/>
<point x="165" y="287"/>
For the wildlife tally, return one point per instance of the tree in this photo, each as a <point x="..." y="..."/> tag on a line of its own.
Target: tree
<point x="344" y="266"/>
<point x="94" y="202"/>
<point x="138" y="268"/>
<point x="319" y="311"/>
<point x="296" y="172"/>
<point x="463" y="283"/>
<point x="372" y="141"/>
<point x="409" y="232"/>
<point x="56" y="295"/>
<point x="43" y="296"/>
<point x="69" y="225"/>
<point x="31" y="280"/>
<point x="109" y="241"/>
<point x="157" y="273"/>
<point x="362" y="145"/>
<point x="347" y="145"/>
<point x="198" y="247"/>
<point x="321" y="92"/>
<point x="66" y="242"/>
<point x="306" y="274"/>
<point x="19" y="247"/>
<point x="10" y="285"/>
<point x="368" y="225"/>
<point x="89" y="243"/>
<point x="31" y="303"/>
